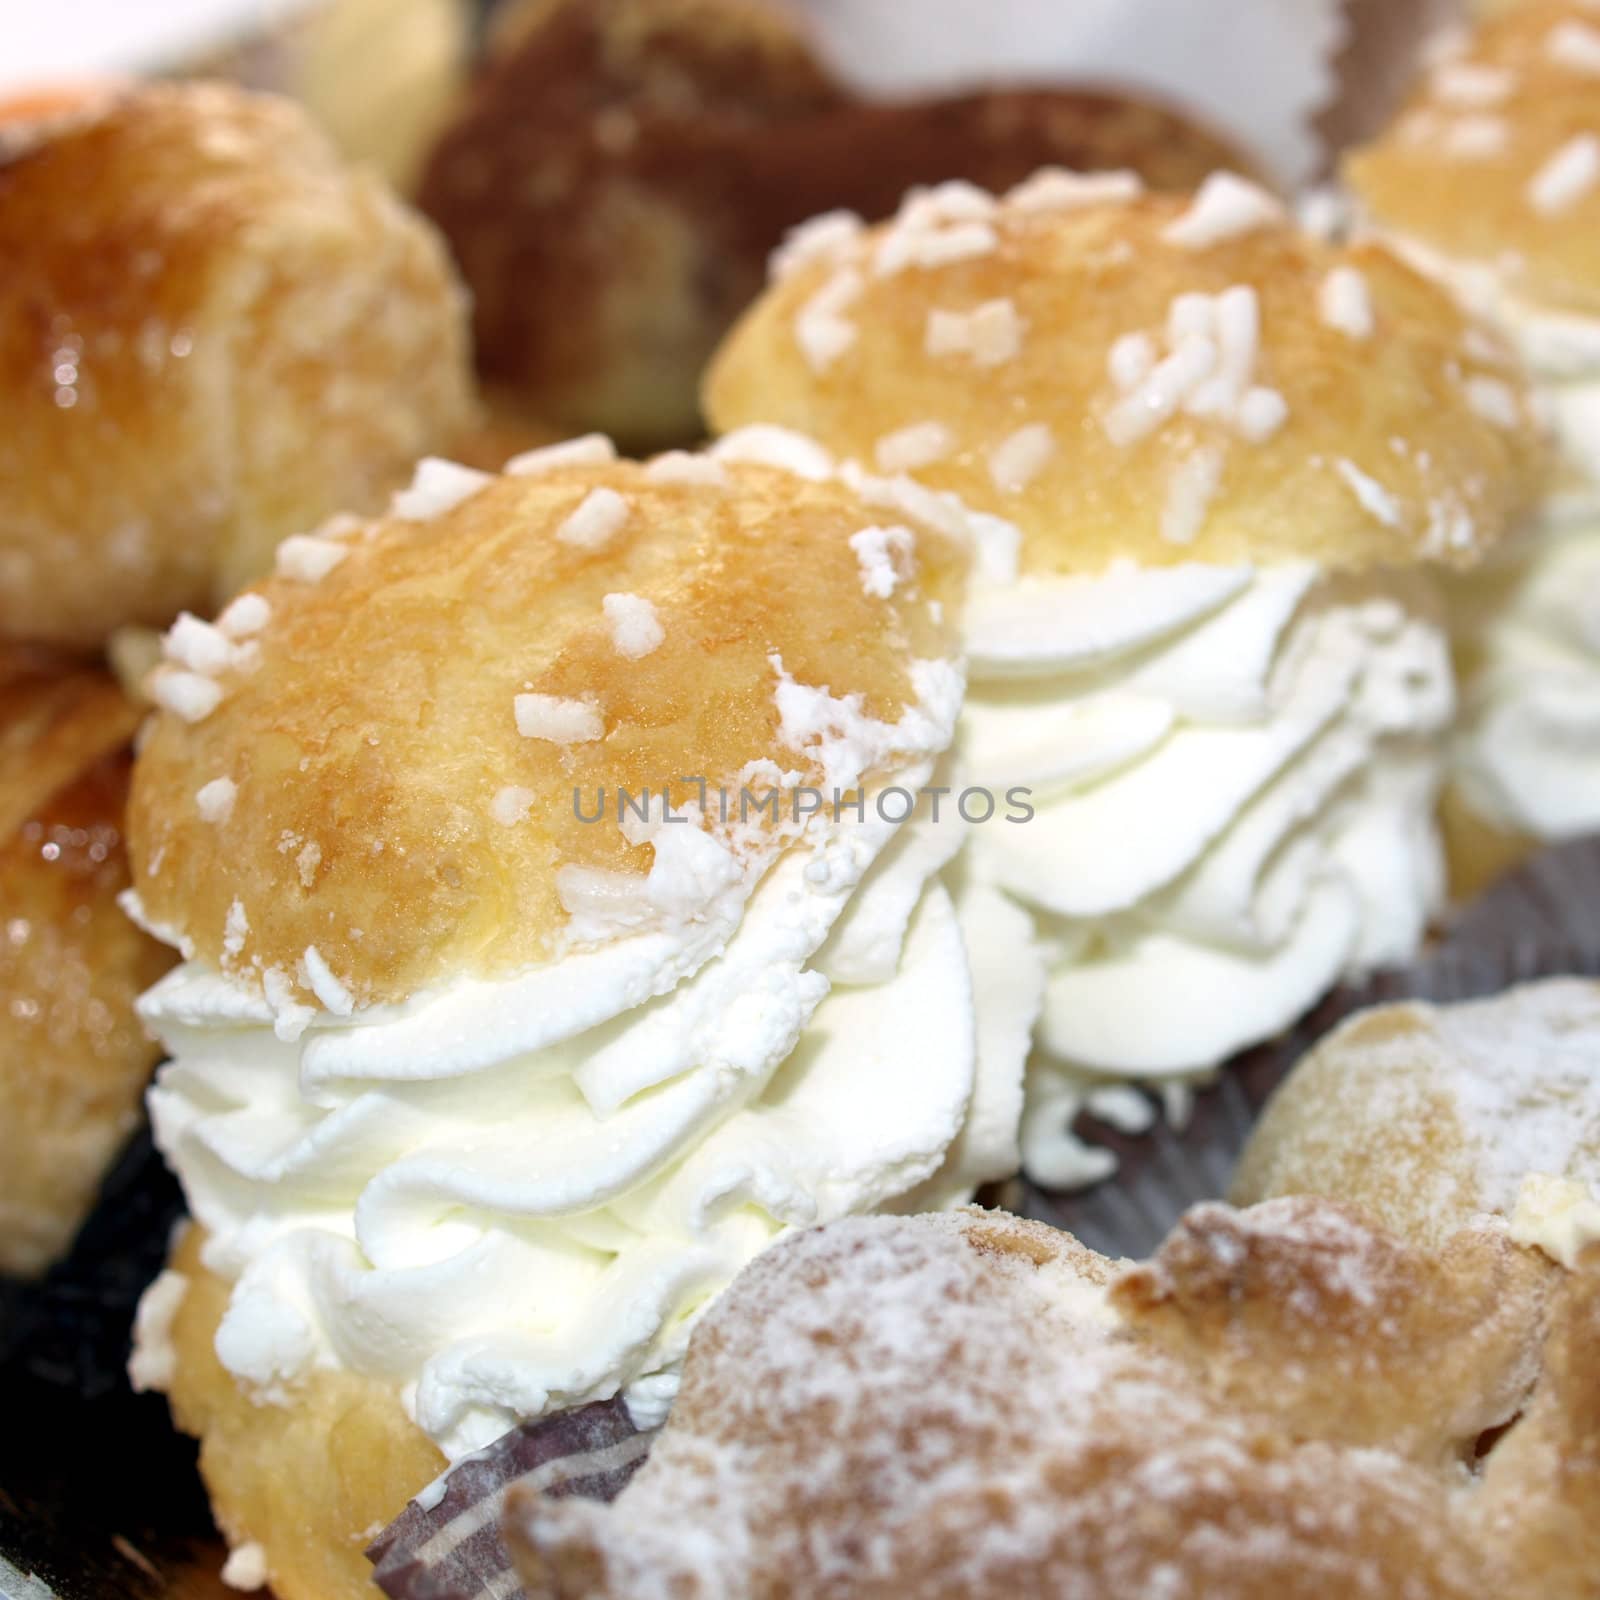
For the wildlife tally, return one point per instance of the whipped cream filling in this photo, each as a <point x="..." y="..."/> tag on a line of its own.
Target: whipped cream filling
<point x="1558" y="1216"/>
<point x="1528" y="749"/>
<point x="1234" y="773"/>
<point x="505" y="1197"/>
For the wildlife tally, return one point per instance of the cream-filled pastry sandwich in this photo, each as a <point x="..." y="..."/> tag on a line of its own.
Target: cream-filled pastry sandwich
<point x="213" y="334"/>
<point x="1214" y="461"/>
<point x="1491" y="182"/>
<point x="488" y="1072"/>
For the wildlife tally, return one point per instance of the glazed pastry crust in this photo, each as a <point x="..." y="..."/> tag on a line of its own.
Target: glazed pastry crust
<point x="73" y="1057"/>
<point x="370" y="744"/>
<point x="1080" y="280"/>
<point x="312" y="1481"/>
<point x="225" y="337"/>
<point x="1477" y="207"/>
<point x="1390" y="1113"/>
<point x="1259" y="1411"/>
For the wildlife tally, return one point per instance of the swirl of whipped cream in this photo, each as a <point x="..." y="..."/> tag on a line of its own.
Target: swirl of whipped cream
<point x="506" y="1197"/>
<point x="1234" y="773"/>
<point x="1528" y="751"/>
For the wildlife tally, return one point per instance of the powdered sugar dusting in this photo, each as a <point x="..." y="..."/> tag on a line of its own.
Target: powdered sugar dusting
<point x="946" y="1405"/>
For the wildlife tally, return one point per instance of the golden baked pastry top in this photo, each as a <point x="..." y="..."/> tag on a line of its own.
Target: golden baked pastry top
<point x="377" y="789"/>
<point x="1497" y="156"/>
<point x="1146" y="377"/>
<point x="212" y="334"/>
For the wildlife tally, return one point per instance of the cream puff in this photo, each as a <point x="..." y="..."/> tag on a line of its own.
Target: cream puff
<point x="555" y="939"/>
<point x="617" y="177"/>
<point x="1491" y="182"/>
<point x="1428" y="1116"/>
<point x="73" y="1056"/>
<point x="212" y="334"/>
<point x="1215" y="462"/>
<point x="1283" y="1402"/>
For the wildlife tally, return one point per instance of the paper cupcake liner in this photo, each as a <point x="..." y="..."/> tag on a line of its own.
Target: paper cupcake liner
<point x="1541" y="921"/>
<point x="446" y="1544"/>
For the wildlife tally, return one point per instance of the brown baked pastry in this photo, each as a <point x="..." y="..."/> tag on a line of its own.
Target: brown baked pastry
<point x="1282" y="1403"/>
<point x="624" y="168"/>
<point x="72" y="1054"/>
<point x="1427" y="1116"/>
<point x="212" y="335"/>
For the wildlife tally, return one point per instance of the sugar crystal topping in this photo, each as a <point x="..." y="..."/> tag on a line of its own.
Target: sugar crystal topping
<point x="635" y="627"/>
<point x="548" y="716"/>
<point x="591" y="450"/>
<point x="599" y="517"/>
<point x="1576" y="46"/>
<point x="438" y="487"/>
<point x="1567" y="177"/>
<point x="215" y="800"/>
<point x="910" y="448"/>
<point x="1226" y="207"/>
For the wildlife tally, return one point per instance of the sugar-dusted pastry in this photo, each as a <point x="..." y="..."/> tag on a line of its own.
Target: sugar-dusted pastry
<point x="1282" y="1403"/>
<point x="73" y="1058"/>
<point x="1427" y="1116"/>
<point x="1217" y="461"/>
<point x="622" y="169"/>
<point x="1491" y="182"/>
<point x="212" y="335"/>
<point x="487" y="1073"/>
